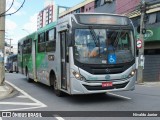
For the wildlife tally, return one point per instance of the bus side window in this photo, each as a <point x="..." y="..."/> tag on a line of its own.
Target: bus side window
<point x="41" y="42"/>
<point x="27" y="47"/>
<point x="50" y="40"/>
<point x="19" y="48"/>
<point x="24" y="47"/>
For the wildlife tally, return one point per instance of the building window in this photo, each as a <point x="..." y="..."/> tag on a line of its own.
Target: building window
<point x="158" y="17"/>
<point x="102" y="2"/>
<point x="136" y="21"/>
<point x="152" y="18"/>
<point x="97" y="3"/>
<point x="78" y="11"/>
<point x="82" y="9"/>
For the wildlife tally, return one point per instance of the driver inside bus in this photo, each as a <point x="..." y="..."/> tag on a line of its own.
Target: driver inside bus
<point x="103" y="48"/>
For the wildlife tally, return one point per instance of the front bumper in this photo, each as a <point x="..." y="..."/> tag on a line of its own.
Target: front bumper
<point x="83" y="87"/>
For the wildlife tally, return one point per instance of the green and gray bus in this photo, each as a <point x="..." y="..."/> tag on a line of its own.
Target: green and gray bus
<point x="74" y="54"/>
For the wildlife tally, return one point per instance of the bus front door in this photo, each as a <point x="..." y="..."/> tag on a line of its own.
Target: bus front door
<point x="63" y="60"/>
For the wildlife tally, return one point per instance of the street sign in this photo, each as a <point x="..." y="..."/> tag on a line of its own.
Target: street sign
<point x="139" y="44"/>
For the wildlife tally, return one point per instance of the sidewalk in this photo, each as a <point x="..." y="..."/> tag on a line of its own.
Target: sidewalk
<point x="5" y="91"/>
<point x="154" y="83"/>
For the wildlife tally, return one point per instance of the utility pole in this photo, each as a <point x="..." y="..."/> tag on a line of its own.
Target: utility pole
<point x="141" y="50"/>
<point x="2" y="37"/>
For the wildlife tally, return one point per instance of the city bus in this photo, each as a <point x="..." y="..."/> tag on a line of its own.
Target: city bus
<point x="25" y="57"/>
<point x="11" y="63"/>
<point x="73" y="56"/>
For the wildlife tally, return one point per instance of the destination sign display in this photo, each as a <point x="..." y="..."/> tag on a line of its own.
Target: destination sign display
<point x="102" y="19"/>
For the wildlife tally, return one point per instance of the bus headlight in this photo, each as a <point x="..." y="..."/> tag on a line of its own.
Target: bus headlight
<point x="132" y="73"/>
<point x="78" y="76"/>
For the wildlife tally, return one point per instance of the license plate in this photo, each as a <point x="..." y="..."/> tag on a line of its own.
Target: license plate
<point x="107" y="84"/>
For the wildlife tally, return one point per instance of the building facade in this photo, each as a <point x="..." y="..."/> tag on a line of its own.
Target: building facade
<point x="85" y="6"/>
<point x="49" y="14"/>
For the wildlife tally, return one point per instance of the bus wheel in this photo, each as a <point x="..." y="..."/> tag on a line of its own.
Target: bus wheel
<point x="57" y="92"/>
<point x="27" y="76"/>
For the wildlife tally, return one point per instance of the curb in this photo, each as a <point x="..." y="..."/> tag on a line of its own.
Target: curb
<point x="149" y="83"/>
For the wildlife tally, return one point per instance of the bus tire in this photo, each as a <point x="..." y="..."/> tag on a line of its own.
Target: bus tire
<point x="27" y="76"/>
<point x="56" y="90"/>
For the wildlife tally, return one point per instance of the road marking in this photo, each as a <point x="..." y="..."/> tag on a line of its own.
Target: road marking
<point x="18" y="103"/>
<point x="35" y="105"/>
<point x="0" y="118"/>
<point x="58" y="117"/>
<point x="120" y="96"/>
<point x="22" y="96"/>
<point x="26" y="94"/>
<point x="18" y="109"/>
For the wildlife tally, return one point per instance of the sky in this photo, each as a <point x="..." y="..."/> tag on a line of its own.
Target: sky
<point x="24" y="21"/>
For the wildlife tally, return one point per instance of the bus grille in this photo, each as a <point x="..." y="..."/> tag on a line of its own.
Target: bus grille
<point x="113" y="70"/>
<point x="99" y="87"/>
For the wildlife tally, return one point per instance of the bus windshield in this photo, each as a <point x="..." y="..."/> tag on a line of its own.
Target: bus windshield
<point x="103" y="46"/>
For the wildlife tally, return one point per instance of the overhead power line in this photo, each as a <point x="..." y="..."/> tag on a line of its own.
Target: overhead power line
<point x="3" y="14"/>
<point x="137" y="11"/>
<point x="8" y="8"/>
<point x="122" y="6"/>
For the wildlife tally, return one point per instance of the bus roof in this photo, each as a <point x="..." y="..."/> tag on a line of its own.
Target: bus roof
<point x="47" y="27"/>
<point x="28" y="36"/>
<point x="99" y="14"/>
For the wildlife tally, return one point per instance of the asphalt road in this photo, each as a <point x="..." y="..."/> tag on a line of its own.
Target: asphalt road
<point x="39" y="97"/>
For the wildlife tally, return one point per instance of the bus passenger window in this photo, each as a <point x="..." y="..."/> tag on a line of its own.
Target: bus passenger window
<point x="41" y="43"/>
<point x="50" y="40"/>
<point x="27" y="47"/>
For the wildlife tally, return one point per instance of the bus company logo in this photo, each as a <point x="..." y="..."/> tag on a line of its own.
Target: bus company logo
<point x="107" y="77"/>
<point x="107" y="70"/>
